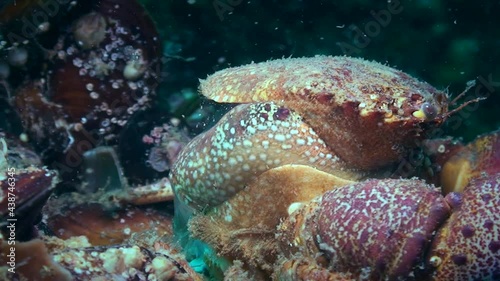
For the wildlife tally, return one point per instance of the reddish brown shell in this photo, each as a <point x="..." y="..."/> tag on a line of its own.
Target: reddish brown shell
<point x="29" y="184"/>
<point x="367" y="112"/>
<point x="90" y="85"/>
<point x="28" y="189"/>
<point x="42" y="118"/>
<point x="467" y="247"/>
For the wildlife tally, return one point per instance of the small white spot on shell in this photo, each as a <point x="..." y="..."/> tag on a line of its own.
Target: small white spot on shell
<point x="300" y="141"/>
<point x="247" y="143"/>
<point x="280" y="137"/>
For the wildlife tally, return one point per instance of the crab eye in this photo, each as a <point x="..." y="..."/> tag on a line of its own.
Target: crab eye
<point x="427" y="111"/>
<point x="430" y="110"/>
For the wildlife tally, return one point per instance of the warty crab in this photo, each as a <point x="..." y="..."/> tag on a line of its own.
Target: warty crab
<point x="308" y="127"/>
<point x="347" y="117"/>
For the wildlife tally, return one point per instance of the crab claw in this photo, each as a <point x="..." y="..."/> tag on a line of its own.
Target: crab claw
<point x="241" y="228"/>
<point x="467" y="247"/>
<point x="375" y="229"/>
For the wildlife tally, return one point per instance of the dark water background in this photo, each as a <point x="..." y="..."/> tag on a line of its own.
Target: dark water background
<point x="445" y="43"/>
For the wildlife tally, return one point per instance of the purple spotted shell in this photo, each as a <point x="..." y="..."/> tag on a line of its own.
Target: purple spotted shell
<point x="379" y="228"/>
<point x="468" y="246"/>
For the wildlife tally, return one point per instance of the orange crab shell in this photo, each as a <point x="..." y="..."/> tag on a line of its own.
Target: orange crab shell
<point x="240" y="229"/>
<point x="369" y="113"/>
<point x="477" y="158"/>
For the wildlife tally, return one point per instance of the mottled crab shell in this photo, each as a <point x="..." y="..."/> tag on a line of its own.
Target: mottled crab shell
<point x="368" y="113"/>
<point x="467" y="247"/>
<point x="247" y="141"/>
